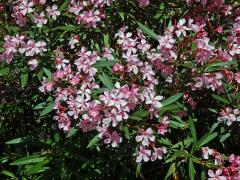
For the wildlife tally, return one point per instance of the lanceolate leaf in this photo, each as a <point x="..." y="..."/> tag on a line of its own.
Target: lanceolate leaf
<point x="224" y="137"/>
<point x="28" y="160"/>
<point x="220" y="99"/>
<point x="191" y="170"/>
<point x="72" y="132"/>
<point x="24" y="79"/>
<point x="48" y="109"/>
<point x="192" y="129"/>
<point x="15" y="141"/>
<point x="64" y="6"/>
<point x="48" y="73"/>
<point x="147" y="31"/>
<point x="106" y="80"/>
<point x="172" y="99"/>
<point x="8" y="173"/>
<point x="93" y="141"/>
<point x="207" y="139"/>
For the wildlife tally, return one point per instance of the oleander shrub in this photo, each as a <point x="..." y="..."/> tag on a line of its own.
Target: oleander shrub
<point x="126" y="89"/>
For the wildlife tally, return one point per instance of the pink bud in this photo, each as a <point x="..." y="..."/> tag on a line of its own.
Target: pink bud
<point x="117" y="68"/>
<point x="219" y="29"/>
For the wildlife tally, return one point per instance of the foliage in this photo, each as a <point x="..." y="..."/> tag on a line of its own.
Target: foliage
<point x="127" y="89"/>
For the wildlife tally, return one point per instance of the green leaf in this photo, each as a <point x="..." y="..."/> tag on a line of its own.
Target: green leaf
<point x="104" y="63"/>
<point x="213" y="110"/>
<point x="48" y="73"/>
<point x="170" y="108"/>
<point x="220" y="98"/>
<point x="13" y="28"/>
<point x="138" y="169"/>
<point x="224" y="137"/>
<point x="24" y="79"/>
<point x="67" y="28"/>
<point x="93" y="141"/>
<point x="147" y="31"/>
<point x="214" y="126"/>
<point x="57" y="137"/>
<point x="192" y="129"/>
<point x="172" y="99"/>
<point x="176" y="125"/>
<point x="64" y="6"/>
<point x="15" y="141"/>
<point x="207" y="139"/>
<point x="170" y="171"/>
<point x="97" y="47"/>
<point x="106" y="80"/>
<point x="40" y="105"/>
<point x="220" y="64"/>
<point x="28" y="160"/>
<point x="121" y="14"/>
<point x="106" y="40"/>
<point x="48" y="109"/>
<point x="38" y="167"/>
<point x="191" y="169"/>
<point x="141" y="113"/>
<point x="127" y="135"/>
<point x="8" y="173"/>
<point x="135" y="118"/>
<point x="72" y="132"/>
<point x="4" y="71"/>
<point x="181" y="153"/>
<point x="165" y="141"/>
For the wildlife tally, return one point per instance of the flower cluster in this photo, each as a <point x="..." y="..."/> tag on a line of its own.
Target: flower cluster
<point x="22" y="45"/>
<point x="22" y="9"/>
<point x="231" y="171"/>
<point x="88" y="12"/>
<point x="142" y="85"/>
<point x="229" y="115"/>
<point x="148" y="142"/>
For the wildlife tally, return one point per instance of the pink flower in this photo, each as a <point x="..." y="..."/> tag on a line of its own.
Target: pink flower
<point x="42" y="2"/>
<point x="206" y="152"/>
<point x="145" y="136"/>
<point x="216" y="175"/>
<point x="219" y="29"/>
<point x="86" y="125"/>
<point x="181" y="29"/>
<point x="143" y="3"/>
<point x="162" y="127"/>
<point x="74" y="40"/>
<point x="158" y="153"/>
<point x="235" y="50"/>
<point x="237" y="77"/>
<point x="117" y="68"/>
<point x="204" y="51"/>
<point x="33" y="63"/>
<point x="143" y="154"/>
<point x="113" y="138"/>
<point x="107" y="53"/>
<point x="154" y="101"/>
<point x="64" y="121"/>
<point x="75" y="7"/>
<point x="53" y="11"/>
<point x="47" y="86"/>
<point x="166" y="41"/>
<point x="26" y="7"/>
<point x="39" y="19"/>
<point x="229" y="115"/>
